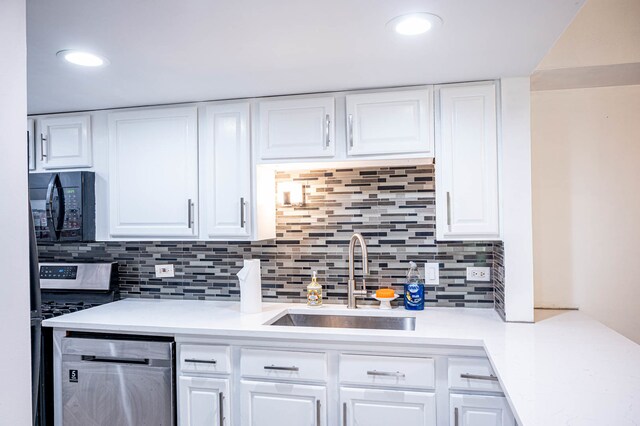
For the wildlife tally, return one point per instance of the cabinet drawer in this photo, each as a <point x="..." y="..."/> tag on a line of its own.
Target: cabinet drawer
<point x="283" y="364"/>
<point x="387" y="371"/>
<point x="472" y="374"/>
<point x="204" y="359"/>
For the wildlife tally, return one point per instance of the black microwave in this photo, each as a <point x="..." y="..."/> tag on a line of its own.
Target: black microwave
<point x="63" y="206"/>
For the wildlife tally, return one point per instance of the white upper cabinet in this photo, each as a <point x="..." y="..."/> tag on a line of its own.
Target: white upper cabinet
<point x="31" y="147"/>
<point x="153" y="173"/>
<point x="467" y="163"/>
<point x="225" y="146"/>
<point x="64" y="142"/>
<point x="398" y="122"/>
<point x="297" y="128"/>
<point x="480" y="410"/>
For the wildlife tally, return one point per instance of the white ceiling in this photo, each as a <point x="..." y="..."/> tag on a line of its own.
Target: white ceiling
<point x="167" y="51"/>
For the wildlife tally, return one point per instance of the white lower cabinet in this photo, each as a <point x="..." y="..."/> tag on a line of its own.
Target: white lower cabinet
<point x="282" y="404"/>
<point x="253" y="383"/>
<point x="378" y="407"/>
<point x="480" y="410"/>
<point x="203" y="401"/>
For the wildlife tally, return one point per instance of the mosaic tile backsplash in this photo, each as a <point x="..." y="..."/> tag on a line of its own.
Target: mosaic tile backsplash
<point x="393" y="207"/>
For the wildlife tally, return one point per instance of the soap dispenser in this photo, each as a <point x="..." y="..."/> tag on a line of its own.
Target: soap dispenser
<point x="314" y="292"/>
<point x="414" y="289"/>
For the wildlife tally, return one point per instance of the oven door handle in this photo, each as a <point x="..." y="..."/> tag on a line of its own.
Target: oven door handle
<point x="55" y="223"/>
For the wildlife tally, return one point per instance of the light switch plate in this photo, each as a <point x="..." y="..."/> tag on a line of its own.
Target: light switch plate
<point x="432" y="273"/>
<point x="478" y="274"/>
<point x="164" y="271"/>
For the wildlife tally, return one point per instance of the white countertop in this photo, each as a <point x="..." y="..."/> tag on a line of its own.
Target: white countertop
<point x="567" y="369"/>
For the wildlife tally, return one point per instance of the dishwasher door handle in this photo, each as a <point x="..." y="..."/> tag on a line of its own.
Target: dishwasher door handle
<point x="115" y="360"/>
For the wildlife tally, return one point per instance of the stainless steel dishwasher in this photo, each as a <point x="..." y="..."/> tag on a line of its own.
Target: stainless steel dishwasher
<point x="117" y="380"/>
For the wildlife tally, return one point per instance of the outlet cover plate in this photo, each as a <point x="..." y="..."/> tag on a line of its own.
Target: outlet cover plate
<point x="479" y="274"/>
<point x="165" y="271"/>
<point x="432" y="273"/>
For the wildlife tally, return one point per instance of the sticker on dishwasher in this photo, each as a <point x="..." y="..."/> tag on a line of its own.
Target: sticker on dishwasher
<point x="73" y="376"/>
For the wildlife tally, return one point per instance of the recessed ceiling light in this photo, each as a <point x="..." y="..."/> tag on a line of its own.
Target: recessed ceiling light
<point x="85" y="59"/>
<point x="414" y="23"/>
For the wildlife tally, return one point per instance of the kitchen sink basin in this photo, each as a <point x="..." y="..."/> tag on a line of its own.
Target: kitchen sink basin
<point x="346" y="321"/>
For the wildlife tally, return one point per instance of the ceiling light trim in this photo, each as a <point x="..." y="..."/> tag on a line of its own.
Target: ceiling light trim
<point x="413" y="24"/>
<point x="82" y="58"/>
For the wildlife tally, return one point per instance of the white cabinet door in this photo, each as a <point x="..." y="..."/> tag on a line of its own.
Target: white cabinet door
<point x="227" y="170"/>
<point x="153" y="173"/>
<point x="467" y="164"/>
<point x="65" y="142"/>
<point x="297" y="128"/>
<point x="203" y="401"/>
<point x="480" y="410"/>
<point x="31" y="150"/>
<point x="282" y="404"/>
<point x="390" y="123"/>
<point x="377" y="407"/>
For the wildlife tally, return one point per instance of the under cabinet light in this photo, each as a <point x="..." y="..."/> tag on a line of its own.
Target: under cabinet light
<point x="290" y="193"/>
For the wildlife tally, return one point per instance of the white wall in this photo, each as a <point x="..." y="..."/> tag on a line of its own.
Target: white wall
<point x="15" y="351"/>
<point x="604" y="32"/>
<point x="586" y="180"/>
<point x="515" y="165"/>
<point x="586" y="177"/>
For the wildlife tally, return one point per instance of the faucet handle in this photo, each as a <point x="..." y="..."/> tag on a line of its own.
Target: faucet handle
<point x="359" y="292"/>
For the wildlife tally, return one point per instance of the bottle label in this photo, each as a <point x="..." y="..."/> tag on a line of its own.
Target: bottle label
<point x="314" y="297"/>
<point x="414" y="296"/>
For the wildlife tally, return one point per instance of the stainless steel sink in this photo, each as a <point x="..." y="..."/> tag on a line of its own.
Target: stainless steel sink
<point x="346" y="321"/>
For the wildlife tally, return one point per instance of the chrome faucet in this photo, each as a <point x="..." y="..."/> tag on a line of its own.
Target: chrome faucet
<point x="351" y="284"/>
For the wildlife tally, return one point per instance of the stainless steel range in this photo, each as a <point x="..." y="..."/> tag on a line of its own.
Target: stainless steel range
<point x="70" y="287"/>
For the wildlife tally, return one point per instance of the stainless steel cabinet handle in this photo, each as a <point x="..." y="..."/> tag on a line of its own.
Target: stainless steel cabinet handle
<point x="456" y="422"/>
<point x="385" y="373"/>
<point x="242" y="213"/>
<point x="344" y="414"/>
<point x="350" y="123"/>
<point x="327" y="128"/>
<point x="114" y="360"/>
<point x="274" y="367"/>
<point x="190" y="213"/>
<point x="448" y="209"/>
<point x="201" y="361"/>
<point x="221" y="403"/>
<point x="42" y="154"/>
<point x="317" y="412"/>
<point x="490" y="377"/>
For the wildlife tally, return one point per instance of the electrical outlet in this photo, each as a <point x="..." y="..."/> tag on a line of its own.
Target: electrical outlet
<point x="432" y="273"/>
<point x="164" y="271"/>
<point x="478" y="274"/>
